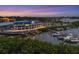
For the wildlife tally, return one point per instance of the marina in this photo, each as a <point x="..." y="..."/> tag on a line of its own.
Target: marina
<point x="24" y="28"/>
<point x="68" y="37"/>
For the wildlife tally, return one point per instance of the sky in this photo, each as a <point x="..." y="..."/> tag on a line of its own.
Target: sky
<point x="39" y="10"/>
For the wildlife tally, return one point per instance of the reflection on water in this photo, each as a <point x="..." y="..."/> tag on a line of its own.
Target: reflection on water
<point x="75" y="32"/>
<point x="49" y="37"/>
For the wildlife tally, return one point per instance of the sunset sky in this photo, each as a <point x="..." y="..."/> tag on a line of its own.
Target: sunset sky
<point x="39" y="10"/>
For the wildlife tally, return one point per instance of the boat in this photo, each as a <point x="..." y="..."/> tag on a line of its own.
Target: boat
<point x="71" y="39"/>
<point x="56" y="34"/>
<point x="60" y="38"/>
<point x="74" y="40"/>
<point x="68" y="37"/>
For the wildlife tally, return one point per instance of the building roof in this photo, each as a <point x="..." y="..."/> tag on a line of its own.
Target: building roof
<point x="6" y="23"/>
<point x="23" y="22"/>
<point x="16" y="23"/>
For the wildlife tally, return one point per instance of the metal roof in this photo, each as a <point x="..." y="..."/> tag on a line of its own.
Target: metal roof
<point x="23" y="22"/>
<point x="6" y="23"/>
<point x="16" y="23"/>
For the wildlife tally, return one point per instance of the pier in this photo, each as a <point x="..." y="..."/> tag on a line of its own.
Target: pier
<point x="21" y="27"/>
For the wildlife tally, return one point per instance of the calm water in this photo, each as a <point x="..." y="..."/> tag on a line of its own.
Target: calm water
<point x="75" y="31"/>
<point x="49" y="37"/>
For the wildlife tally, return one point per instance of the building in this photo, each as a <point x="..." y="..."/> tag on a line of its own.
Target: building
<point x="21" y="26"/>
<point x="7" y="19"/>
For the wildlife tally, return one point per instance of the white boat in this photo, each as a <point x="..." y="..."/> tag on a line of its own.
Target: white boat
<point x="68" y="37"/>
<point x="75" y="40"/>
<point x="56" y="34"/>
<point x="71" y="38"/>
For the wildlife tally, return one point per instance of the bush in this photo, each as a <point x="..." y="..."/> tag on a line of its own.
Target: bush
<point x="19" y="45"/>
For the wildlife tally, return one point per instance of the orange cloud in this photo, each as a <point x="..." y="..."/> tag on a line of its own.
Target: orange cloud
<point x="15" y="13"/>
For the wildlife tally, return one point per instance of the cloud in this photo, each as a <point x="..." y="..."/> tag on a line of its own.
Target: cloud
<point x="16" y="13"/>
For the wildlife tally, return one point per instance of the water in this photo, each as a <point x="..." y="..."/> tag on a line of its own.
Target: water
<point x="49" y="37"/>
<point x="75" y="31"/>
